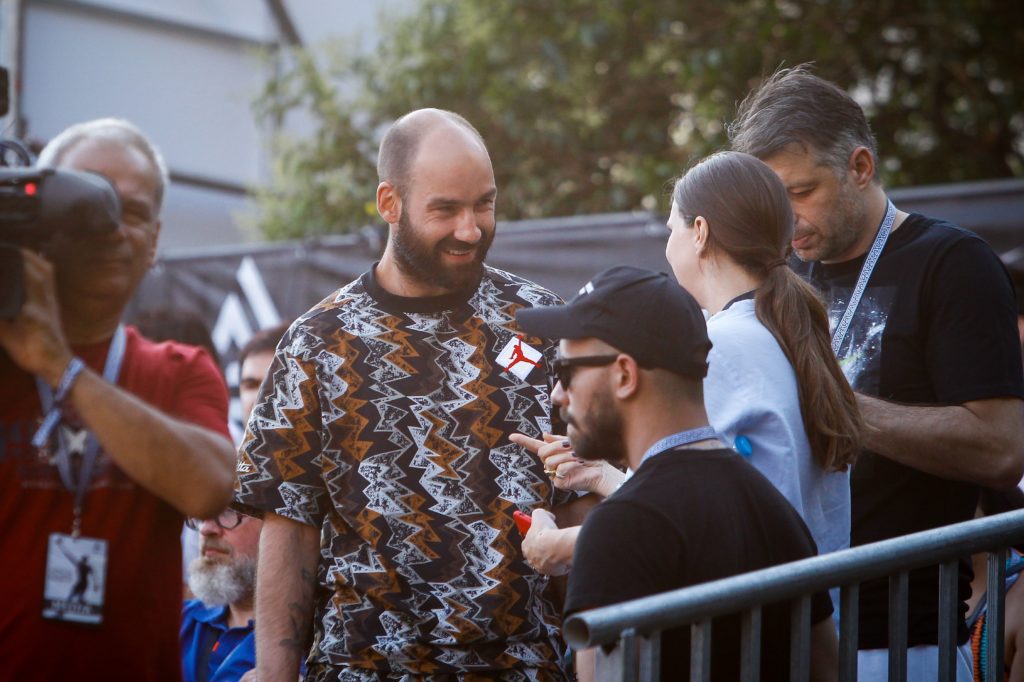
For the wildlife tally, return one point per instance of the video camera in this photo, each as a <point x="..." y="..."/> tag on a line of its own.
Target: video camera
<point x="35" y="205"/>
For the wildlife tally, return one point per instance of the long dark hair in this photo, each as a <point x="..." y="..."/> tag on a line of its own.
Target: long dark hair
<point x="750" y="220"/>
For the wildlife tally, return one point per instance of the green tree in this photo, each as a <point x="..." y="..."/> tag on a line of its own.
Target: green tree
<point x="592" y="107"/>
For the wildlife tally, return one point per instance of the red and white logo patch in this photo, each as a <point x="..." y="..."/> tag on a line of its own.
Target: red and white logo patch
<point x="519" y="358"/>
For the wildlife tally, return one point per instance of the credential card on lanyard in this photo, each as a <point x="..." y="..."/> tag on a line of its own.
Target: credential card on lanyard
<point x="74" y="584"/>
<point x="839" y="335"/>
<point x="74" y="588"/>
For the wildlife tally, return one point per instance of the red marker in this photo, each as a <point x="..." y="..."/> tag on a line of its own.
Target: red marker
<point x="523" y="521"/>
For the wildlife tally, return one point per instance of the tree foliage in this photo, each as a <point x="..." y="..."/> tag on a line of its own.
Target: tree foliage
<point x="592" y="107"/>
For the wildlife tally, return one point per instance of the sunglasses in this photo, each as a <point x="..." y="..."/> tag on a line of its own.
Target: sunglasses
<point x="228" y="520"/>
<point x="564" y="368"/>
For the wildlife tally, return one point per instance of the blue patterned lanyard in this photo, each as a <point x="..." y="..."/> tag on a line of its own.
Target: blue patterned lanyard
<point x="62" y="456"/>
<point x="679" y="439"/>
<point x="865" y="274"/>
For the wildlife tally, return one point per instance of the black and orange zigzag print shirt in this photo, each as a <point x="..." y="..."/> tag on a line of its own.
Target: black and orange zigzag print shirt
<point x="384" y="422"/>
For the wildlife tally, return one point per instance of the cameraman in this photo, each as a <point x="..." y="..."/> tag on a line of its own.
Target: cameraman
<point x="91" y="513"/>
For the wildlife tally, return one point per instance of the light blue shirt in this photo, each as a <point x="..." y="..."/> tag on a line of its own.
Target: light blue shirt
<point x="751" y="390"/>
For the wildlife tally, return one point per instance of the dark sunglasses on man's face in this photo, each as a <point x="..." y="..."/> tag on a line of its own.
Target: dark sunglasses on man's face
<point x="229" y="519"/>
<point x="564" y="367"/>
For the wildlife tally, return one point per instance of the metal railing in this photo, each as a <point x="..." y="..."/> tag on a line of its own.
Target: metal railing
<point x="636" y="626"/>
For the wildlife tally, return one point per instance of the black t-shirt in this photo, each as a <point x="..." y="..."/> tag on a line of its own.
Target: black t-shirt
<point x="936" y="326"/>
<point x="688" y="517"/>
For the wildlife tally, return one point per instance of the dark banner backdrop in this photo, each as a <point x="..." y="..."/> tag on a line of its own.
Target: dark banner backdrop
<point x="237" y="291"/>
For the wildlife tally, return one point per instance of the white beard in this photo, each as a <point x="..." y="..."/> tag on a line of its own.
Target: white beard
<point x="213" y="582"/>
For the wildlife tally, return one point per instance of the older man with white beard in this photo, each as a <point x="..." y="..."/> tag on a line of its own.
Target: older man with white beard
<point x="217" y="632"/>
<point x="218" y="642"/>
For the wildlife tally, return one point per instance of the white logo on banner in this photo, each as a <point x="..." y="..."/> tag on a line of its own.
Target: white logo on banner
<point x="232" y="328"/>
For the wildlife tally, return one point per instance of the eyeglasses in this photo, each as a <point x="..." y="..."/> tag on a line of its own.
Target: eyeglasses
<point x="228" y="520"/>
<point x="563" y="367"/>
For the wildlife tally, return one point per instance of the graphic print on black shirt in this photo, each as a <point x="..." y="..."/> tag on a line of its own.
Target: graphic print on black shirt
<point x="861" y="352"/>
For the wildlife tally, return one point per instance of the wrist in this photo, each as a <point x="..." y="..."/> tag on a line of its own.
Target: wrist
<point x="611" y="479"/>
<point x="604" y="487"/>
<point x="55" y="370"/>
<point x="61" y="391"/>
<point x="68" y="379"/>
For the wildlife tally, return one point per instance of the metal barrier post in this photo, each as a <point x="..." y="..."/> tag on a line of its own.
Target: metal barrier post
<point x="898" y="626"/>
<point x="649" y="650"/>
<point x="700" y="651"/>
<point x="619" y="664"/>
<point x="849" y="615"/>
<point x="948" y="617"/>
<point x="995" y="612"/>
<point x="800" y="639"/>
<point x="750" y="645"/>
<point x="627" y="649"/>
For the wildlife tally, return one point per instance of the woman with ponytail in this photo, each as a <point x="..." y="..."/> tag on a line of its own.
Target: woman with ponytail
<point x="774" y="389"/>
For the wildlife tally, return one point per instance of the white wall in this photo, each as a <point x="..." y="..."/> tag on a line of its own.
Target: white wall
<point x="186" y="72"/>
<point x="189" y="91"/>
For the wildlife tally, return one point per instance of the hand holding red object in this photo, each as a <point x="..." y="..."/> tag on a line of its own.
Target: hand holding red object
<point x="523" y="521"/>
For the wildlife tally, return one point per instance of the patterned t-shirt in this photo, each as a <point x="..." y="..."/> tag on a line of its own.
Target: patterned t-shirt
<point x="384" y="422"/>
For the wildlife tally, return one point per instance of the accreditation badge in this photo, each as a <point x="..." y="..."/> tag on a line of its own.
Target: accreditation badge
<point x="76" y="577"/>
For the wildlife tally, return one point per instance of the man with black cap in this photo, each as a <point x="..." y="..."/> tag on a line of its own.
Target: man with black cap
<point x="633" y="355"/>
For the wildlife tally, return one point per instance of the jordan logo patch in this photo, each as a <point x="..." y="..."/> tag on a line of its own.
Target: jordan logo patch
<point x="518" y="358"/>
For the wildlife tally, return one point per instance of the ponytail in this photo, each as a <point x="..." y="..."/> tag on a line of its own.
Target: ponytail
<point x="791" y="310"/>
<point x="751" y="222"/>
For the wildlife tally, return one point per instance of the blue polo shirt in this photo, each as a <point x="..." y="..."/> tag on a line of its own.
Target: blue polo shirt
<point x="229" y="653"/>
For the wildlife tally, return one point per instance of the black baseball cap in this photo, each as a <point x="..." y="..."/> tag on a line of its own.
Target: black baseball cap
<point x="642" y="313"/>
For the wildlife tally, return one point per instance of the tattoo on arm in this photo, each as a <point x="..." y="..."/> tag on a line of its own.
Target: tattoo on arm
<point x="300" y="616"/>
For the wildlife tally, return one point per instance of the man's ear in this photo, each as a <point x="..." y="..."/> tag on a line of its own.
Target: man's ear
<point x="626" y="377"/>
<point x="861" y="167"/>
<point x="389" y="203"/>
